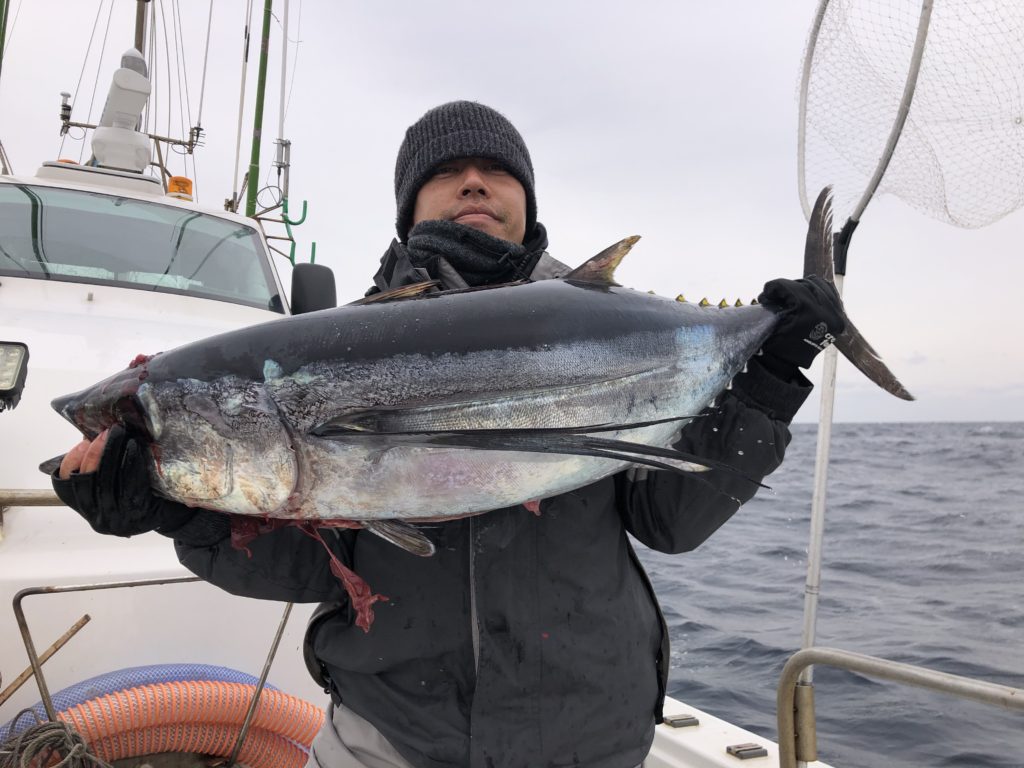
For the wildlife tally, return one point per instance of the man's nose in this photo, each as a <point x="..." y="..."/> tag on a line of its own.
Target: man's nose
<point x="473" y="183"/>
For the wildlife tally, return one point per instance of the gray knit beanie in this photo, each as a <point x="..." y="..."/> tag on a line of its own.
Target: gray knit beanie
<point x="448" y="132"/>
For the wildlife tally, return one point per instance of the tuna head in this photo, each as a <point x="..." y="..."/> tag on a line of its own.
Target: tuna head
<point x="217" y="444"/>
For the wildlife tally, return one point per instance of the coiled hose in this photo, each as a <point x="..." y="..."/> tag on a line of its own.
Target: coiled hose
<point x="148" y="710"/>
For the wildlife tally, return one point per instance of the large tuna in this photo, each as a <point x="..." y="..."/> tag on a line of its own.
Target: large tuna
<point x="441" y="405"/>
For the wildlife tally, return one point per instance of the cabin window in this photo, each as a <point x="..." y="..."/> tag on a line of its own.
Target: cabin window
<point x="73" y="236"/>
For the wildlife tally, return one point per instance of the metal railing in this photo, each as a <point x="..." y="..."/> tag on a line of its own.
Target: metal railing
<point x="794" y="746"/>
<point x="36" y="660"/>
<point x="29" y="498"/>
<point x="25" y="498"/>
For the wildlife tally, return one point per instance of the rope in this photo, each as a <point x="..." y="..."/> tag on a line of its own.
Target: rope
<point x="180" y="54"/>
<point x="85" y="59"/>
<point x="206" y="57"/>
<point x="295" y="60"/>
<point x="148" y="56"/>
<point x="39" y="744"/>
<point x="241" y="107"/>
<point x="181" y="72"/>
<point x="96" y="80"/>
<point x="12" y="25"/>
<point x="167" y="59"/>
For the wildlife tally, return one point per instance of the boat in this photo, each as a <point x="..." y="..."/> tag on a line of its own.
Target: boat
<point x="102" y="261"/>
<point x="87" y="283"/>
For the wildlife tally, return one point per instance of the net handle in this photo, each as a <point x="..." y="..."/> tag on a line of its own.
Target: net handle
<point x="812" y="587"/>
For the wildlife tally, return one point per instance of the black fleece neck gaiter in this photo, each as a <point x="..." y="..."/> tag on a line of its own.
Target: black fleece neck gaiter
<point x="478" y="257"/>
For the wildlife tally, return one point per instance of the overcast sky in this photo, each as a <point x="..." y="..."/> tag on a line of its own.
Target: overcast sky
<point x="676" y="121"/>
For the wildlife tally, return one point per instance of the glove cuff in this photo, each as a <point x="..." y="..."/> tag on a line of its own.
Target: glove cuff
<point x="779" y="398"/>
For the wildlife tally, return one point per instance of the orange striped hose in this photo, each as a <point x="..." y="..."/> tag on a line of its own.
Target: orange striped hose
<point x="200" y="716"/>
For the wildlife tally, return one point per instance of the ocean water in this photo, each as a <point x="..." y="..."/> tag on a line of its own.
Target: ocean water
<point x="923" y="564"/>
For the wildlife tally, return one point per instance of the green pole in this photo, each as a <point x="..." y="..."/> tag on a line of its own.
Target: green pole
<point x="257" y="130"/>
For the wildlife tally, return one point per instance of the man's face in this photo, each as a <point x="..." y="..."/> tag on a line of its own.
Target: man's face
<point x="476" y="192"/>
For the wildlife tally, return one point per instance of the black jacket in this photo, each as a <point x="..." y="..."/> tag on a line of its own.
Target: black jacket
<point x="526" y="640"/>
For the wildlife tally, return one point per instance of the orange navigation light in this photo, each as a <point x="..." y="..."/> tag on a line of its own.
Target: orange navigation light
<point x="180" y="187"/>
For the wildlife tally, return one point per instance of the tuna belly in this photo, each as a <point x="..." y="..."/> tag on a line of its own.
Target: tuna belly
<point x="425" y="482"/>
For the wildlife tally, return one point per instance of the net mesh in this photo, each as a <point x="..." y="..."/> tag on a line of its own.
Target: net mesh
<point x="960" y="158"/>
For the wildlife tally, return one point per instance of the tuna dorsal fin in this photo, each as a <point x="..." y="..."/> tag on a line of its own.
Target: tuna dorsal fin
<point x="401" y="292"/>
<point x="600" y="269"/>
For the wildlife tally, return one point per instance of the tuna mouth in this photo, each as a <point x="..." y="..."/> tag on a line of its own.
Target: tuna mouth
<point x="92" y="417"/>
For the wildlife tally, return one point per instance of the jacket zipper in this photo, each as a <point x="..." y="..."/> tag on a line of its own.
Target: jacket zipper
<point x="474" y="625"/>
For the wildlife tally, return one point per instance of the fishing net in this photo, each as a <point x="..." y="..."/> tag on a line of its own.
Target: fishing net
<point x="960" y="158"/>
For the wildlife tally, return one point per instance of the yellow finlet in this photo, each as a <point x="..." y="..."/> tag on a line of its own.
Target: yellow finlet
<point x="704" y="302"/>
<point x="723" y="304"/>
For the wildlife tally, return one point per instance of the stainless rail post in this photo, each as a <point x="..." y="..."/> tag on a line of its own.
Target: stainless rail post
<point x="883" y="669"/>
<point x="259" y="686"/>
<point x="26" y="636"/>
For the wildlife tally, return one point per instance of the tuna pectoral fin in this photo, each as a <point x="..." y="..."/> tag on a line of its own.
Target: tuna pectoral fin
<point x="402" y="535"/>
<point x="572" y="441"/>
<point x="818" y="261"/>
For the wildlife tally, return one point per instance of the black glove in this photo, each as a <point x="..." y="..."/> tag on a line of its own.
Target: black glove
<point x="117" y="498"/>
<point x="810" y="318"/>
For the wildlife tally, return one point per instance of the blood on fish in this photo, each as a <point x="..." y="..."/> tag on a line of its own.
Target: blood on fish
<point x="245" y="528"/>
<point x="533" y="505"/>
<point x="139" y="360"/>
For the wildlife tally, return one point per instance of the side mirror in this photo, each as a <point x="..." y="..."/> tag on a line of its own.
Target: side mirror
<point x="312" y="288"/>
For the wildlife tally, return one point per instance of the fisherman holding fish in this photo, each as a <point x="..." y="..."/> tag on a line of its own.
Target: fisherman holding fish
<point x="531" y="636"/>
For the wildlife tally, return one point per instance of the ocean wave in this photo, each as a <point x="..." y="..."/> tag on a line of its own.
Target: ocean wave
<point x="922" y="563"/>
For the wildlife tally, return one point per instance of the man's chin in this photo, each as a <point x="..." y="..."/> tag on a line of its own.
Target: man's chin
<point x="494" y="229"/>
<point x="482" y="222"/>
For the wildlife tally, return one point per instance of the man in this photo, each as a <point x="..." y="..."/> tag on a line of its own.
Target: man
<point x="527" y="639"/>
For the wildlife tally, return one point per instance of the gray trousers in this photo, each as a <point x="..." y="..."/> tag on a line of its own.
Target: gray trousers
<point x="348" y="741"/>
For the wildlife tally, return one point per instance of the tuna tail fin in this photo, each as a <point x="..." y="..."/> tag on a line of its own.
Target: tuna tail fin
<point x="818" y="261"/>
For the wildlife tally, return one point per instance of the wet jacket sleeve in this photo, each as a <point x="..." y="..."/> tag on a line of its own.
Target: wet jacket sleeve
<point x="285" y="564"/>
<point x="749" y="430"/>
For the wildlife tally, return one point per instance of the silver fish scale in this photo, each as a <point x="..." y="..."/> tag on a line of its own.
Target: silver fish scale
<point x="369" y="476"/>
<point x="496" y="389"/>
